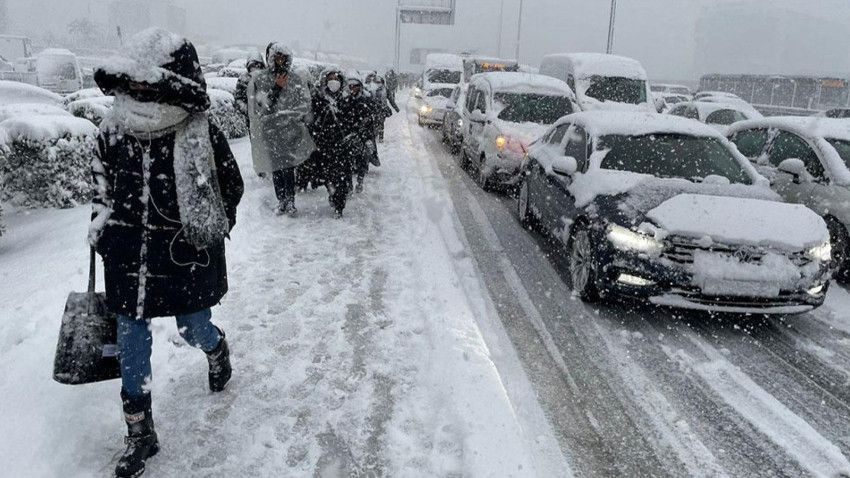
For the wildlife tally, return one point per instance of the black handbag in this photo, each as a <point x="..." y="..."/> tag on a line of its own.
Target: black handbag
<point x="87" y="351"/>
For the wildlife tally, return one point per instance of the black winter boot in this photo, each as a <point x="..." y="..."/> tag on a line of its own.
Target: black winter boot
<point x="141" y="437"/>
<point x="219" y="360"/>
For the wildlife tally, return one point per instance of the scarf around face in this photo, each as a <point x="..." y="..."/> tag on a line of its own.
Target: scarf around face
<point x="199" y="198"/>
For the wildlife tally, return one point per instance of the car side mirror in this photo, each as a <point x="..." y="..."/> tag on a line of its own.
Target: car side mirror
<point x="795" y="167"/>
<point x="565" y="165"/>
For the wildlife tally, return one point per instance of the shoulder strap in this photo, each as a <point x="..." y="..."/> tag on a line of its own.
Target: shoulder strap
<point x="92" y="271"/>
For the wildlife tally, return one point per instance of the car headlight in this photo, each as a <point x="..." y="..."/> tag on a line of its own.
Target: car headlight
<point x="460" y="123"/>
<point x="501" y="142"/>
<point x="821" y="253"/>
<point x="425" y="109"/>
<point x="628" y="240"/>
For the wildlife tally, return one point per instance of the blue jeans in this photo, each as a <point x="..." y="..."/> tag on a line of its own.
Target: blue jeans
<point x="134" y="342"/>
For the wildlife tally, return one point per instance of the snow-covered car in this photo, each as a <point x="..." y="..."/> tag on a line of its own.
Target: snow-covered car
<point x="442" y="70"/>
<point x="666" y="209"/>
<point x="59" y="71"/>
<point x="602" y="81"/>
<point x="717" y="94"/>
<point x="12" y="92"/>
<point x="503" y="114"/>
<point x="670" y="89"/>
<point x="452" y="129"/>
<point x="83" y="94"/>
<point x="807" y="161"/>
<point x="717" y="115"/>
<point x="434" y="106"/>
<point x="30" y="109"/>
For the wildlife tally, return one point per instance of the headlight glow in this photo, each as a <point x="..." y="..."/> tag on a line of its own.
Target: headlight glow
<point x="425" y="109"/>
<point x="626" y="239"/>
<point x="821" y="253"/>
<point x="501" y="142"/>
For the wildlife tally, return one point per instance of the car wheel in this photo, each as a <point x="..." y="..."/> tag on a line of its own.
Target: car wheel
<point x="526" y="215"/>
<point x="583" y="265"/>
<point x="840" y="250"/>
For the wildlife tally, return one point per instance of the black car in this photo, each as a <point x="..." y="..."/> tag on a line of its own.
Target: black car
<point x="666" y="209"/>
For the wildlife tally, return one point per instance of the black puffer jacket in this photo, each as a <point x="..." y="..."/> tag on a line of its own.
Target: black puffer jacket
<point x="150" y="269"/>
<point x="178" y="278"/>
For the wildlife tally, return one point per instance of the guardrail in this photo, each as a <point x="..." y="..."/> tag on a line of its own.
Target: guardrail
<point x="773" y="110"/>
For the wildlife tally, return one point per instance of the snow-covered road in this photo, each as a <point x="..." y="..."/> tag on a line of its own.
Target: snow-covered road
<point x="359" y="348"/>
<point x="633" y="390"/>
<point x="425" y="334"/>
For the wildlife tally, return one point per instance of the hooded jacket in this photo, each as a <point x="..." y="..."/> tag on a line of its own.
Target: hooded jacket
<point x="151" y="270"/>
<point x="240" y="95"/>
<point x="279" y="116"/>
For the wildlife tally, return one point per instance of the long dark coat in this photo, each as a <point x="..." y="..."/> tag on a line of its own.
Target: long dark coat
<point x="178" y="278"/>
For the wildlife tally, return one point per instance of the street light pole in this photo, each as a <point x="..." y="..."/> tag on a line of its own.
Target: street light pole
<point x="501" y="26"/>
<point x="611" y="20"/>
<point x="397" y="35"/>
<point x="519" y="29"/>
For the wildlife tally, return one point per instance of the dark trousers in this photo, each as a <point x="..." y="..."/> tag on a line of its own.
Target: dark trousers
<point x="391" y="98"/>
<point x="337" y="177"/>
<point x="284" y="185"/>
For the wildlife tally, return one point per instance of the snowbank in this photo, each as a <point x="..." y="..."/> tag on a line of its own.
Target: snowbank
<point x="224" y="84"/>
<point x="12" y="92"/>
<point x="83" y="94"/>
<point x="223" y="113"/>
<point x="30" y="109"/>
<point x="45" y="161"/>
<point x="92" y="109"/>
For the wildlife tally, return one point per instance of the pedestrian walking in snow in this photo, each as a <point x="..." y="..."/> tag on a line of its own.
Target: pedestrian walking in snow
<point x="167" y="191"/>
<point x="360" y="114"/>
<point x="335" y="130"/>
<point x="279" y="108"/>
<point x="392" y="88"/>
<point x="377" y="89"/>
<point x="255" y="62"/>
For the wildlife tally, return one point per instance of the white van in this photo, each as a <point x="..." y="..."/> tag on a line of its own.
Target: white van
<point x="442" y="70"/>
<point x="602" y="81"/>
<point x="59" y="71"/>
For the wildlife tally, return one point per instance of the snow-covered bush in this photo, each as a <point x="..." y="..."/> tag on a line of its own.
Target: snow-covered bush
<point x="221" y="83"/>
<point x="45" y="160"/>
<point x="225" y="116"/>
<point x="83" y="94"/>
<point x="232" y="72"/>
<point x="92" y="109"/>
<point x="21" y="109"/>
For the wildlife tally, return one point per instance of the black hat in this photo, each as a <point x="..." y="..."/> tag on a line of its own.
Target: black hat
<point x="164" y="62"/>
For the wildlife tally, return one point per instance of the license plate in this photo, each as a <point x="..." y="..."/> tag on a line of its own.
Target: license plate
<point x="739" y="288"/>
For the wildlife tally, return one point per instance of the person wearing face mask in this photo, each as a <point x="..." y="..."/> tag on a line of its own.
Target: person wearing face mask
<point x="167" y="188"/>
<point x="279" y="109"/>
<point x="332" y="127"/>
<point x="255" y="62"/>
<point x="360" y="117"/>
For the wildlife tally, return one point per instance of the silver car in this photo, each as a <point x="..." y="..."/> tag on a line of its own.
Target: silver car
<point x="807" y="161"/>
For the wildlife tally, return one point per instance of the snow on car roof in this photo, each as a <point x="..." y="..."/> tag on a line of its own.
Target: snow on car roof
<point x="601" y="123"/>
<point x="523" y="83"/>
<point x="589" y="64"/>
<point x="15" y="92"/>
<point x="705" y="108"/>
<point x="40" y="128"/>
<point x="55" y="52"/>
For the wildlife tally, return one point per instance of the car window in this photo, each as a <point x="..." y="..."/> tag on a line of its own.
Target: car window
<point x="678" y="111"/>
<point x="481" y="102"/>
<point x="750" y="142"/>
<point x="557" y="135"/>
<point x="470" y="98"/>
<point x="660" y="155"/>
<point x="444" y="92"/>
<point x="531" y="108"/>
<point x="725" y="117"/>
<point x="577" y="145"/>
<point x="843" y="148"/>
<point x="617" y="89"/>
<point x="788" y="145"/>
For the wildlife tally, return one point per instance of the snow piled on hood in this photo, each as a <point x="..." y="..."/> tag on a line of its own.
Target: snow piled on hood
<point x="740" y="220"/>
<point x="144" y="54"/>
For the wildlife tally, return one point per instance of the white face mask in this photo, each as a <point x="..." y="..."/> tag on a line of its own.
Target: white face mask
<point x="334" y="86"/>
<point x="144" y="116"/>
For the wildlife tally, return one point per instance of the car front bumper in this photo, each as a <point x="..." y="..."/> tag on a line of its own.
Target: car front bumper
<point x="671" y="284"/>
<point x="433" y="117"/>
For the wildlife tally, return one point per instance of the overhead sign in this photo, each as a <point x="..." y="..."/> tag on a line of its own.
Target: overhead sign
<point x="427" y="12"/>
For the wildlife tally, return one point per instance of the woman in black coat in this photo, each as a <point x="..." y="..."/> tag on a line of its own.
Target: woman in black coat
<point x="167" y="191"/>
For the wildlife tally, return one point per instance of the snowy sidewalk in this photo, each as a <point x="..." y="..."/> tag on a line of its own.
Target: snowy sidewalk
<point x="355" y="348"/>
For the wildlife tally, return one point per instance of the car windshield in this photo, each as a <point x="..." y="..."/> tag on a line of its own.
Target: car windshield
<point x="672" y="156"/>
<point x="843" y="148"/>
<point x="444" y="76"/>
<point x="57" y="67"/>
<point x="444" y="92"/>
<point x="617" y="89"/>
<point x="532" y="108"/>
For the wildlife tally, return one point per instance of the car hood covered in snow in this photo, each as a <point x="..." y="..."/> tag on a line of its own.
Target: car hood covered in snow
<point x="527" y="133"/>
<point x="737" y="220"/>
